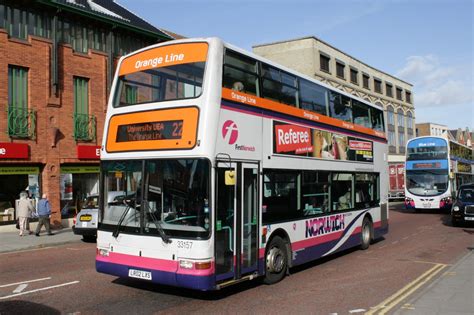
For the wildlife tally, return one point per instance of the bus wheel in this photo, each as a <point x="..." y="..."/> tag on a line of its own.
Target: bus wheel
<point x="366" y="233"/>
<point x="276" y="261"/>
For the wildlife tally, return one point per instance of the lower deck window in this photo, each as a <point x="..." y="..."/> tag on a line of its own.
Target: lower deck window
<point x="291" y="195"/>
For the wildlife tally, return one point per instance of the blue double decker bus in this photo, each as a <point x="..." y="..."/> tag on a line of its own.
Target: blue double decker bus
<point x="427" y="180"/>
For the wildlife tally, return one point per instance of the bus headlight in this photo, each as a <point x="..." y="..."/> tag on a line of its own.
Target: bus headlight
<point x="455" y="208"/>
<point x="185" y="264"/>
<point x="103" y="252"/>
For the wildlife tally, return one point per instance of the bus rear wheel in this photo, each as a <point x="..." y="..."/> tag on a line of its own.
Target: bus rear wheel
<point x="276" y="261"/>
<point x="366" y="233"/>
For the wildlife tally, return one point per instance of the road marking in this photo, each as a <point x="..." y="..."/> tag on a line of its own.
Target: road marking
<point x="408" y="306"/>
<point x="407" y="290"/>
<point x="28" y="281"/>
<point x="359" y="310"/>
<point x="37" y="290"/>
<point x="430" y="262"/>
<point x="405" y="238"/>
<point x="395" y="242"/>
<point x="20" y="288"/>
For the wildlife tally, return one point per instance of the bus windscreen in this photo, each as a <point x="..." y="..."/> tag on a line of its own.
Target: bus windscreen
<point x="165" y="73"/>
<point x="427" y="149"/>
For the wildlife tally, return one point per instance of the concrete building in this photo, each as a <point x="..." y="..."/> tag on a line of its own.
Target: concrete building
<point x="431" y="129"/>
<point x="57" y="62"/>
<point x="320" y="60"/>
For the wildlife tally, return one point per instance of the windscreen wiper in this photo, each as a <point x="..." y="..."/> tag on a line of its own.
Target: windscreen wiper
<point x="160" y="230"/>
<point x="119" y="224"/>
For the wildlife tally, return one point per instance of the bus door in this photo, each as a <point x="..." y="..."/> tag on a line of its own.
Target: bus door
<point x="236" y="226"/>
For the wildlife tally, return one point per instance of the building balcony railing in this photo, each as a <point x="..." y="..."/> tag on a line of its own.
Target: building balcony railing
<point x="84" y="127"/>
<point x="21" y="122"/>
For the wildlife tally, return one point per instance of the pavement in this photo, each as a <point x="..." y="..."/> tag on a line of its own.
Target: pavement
<point x="450" y="293"/>
<point x="10" y="241"/>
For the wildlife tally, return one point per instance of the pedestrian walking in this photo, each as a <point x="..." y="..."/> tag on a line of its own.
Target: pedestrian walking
<point x="44" y="212"/>
<point x="25" y="208"/>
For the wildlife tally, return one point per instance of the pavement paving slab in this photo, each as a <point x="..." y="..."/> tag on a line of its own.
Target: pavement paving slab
<point x="452" y="293"/>
<point x="11" y="241"/>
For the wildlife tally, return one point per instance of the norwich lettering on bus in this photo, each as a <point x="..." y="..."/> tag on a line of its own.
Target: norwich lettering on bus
<point x="325" y="225"/>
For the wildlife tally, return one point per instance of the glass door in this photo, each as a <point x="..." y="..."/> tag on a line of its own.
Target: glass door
<point x="237" y="202"/>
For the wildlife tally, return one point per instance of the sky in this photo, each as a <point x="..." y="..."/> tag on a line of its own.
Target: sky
<point x="428" y="43"/>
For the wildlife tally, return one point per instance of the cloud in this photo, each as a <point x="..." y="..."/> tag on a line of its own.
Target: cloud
<point x="437" y="85"/>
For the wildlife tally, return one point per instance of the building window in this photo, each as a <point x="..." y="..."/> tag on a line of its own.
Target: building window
<point x="389" y="89"/>
<point x="17" y="87"/>
<point x="340" y="69"/>
<point x="377" y="85"/>
<point x="399" y="93"/>
<point x="410" y="120"/>
<point x="354" y="76"/>
<point x="324" y="62"/>
<point x="391" y="138"/>
<point x="390" y="118"/>
<point x="19" y="23"/>
<point x="21" y="121"/>
<point x="84" y="124"/>
<point x="400" y="118"/>
<point x="401" y="141"/>
<point x="408" y="96"/>
<point x="365" y="81"/>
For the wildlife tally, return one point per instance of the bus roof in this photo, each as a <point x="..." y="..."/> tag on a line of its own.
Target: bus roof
<point x="254" y="56"/>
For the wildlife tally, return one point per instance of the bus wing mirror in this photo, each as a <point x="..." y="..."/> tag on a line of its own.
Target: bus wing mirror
<point x="230" y="178"/>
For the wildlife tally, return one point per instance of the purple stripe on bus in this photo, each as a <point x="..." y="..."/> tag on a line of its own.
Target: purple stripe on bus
<point x="161" y="277"/>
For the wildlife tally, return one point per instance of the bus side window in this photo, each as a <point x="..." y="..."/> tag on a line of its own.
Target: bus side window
<point x="240" y="73"/>
<point x="341" y="191"/>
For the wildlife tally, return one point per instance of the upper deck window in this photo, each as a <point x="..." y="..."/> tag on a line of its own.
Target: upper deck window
<point x="279" y="86"/>
<point x="240" y="73"/>
<point x="165" y="73"/>
<point x="427" y="149"/>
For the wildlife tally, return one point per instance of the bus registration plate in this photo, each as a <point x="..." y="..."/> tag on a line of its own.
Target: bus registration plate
<point x="140" y="274"/>
<point x="426" y="204"/>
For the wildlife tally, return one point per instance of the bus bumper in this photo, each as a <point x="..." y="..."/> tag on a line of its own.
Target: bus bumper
<point x="202" y="283"/>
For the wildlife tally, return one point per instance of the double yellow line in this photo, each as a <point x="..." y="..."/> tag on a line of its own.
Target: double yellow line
<point x="403" y="293"/>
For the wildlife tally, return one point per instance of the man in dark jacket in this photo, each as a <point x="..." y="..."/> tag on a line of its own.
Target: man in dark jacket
<point x="44" y="212"/>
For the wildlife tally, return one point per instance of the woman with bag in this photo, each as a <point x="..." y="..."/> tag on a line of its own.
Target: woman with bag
<point x="25" y="208"/>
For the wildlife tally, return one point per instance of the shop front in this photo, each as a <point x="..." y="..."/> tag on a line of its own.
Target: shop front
<point x="13" y="180"/>
<point x="78" y="181"/>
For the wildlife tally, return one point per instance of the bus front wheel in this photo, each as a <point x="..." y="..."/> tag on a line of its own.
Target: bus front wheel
<point x="276" y="261"/>
<point x="366" y="233"/>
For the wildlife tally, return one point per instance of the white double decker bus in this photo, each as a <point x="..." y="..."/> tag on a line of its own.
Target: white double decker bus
<point x="232" y="167"/>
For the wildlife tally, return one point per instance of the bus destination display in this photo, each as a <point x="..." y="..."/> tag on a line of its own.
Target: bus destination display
<point x="155" y="130"/>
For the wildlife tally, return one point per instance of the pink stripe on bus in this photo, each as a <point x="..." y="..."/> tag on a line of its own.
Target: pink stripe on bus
<point x="318" y="240"/>
<point x="140" y="262"/>
<point x="154" y="264"/>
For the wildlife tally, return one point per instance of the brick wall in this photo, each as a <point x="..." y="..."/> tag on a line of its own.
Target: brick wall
<point x="52" y="111"/>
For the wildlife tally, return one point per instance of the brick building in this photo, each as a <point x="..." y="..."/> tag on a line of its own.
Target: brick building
<point x="57" y="59"/>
